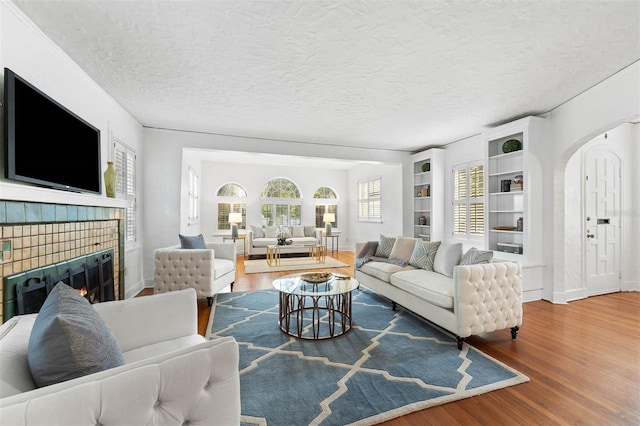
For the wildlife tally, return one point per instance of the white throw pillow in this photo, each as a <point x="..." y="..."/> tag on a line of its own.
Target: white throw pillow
<point x="447" y="257"/>
<point x="298" y="231"/>
<point x="271" y="231"/>
<point x="403" y="248"/>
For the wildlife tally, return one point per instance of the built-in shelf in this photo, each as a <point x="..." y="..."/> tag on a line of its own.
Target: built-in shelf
<point x="428" y="195"/>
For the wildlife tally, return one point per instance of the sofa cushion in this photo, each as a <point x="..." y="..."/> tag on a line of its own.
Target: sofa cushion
<point x="69" y="339"/>
<point x="424" y="254"/>
<point x="192" y="241"/>
<point x="428" y="285"/>
<point x="263" y="242"/>
<point x="382" y="270"/>
<point x="473" y="256"/>
<point x="222" y="267"/>
<point x="258" y="232"/>
<point x="403" y="248"/>
<point x="385" y="246"/>
<point x="15" y="376"/>
<point x="310" y="231"/>
<point x="297" y="231"/>
<point x="447" y="257"/>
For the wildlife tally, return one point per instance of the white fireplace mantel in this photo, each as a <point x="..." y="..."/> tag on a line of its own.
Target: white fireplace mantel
<point x="36" y="194"/>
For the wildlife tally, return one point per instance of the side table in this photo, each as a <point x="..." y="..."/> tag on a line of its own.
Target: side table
<point x="334" y="243"/>
<point x="244" y="242"/>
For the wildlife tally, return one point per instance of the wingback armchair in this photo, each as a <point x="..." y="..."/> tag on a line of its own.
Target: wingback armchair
<point x="208" y="271"/>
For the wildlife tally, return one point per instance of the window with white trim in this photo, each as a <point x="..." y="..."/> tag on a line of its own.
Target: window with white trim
<point x="125" y="165"/>
<point x="369" y="200"/>
<point x="468" y="201"/>
<point x="326" y="201"/>
<point x="232" y="198"/>
<point x="280" y="203"/>
<point x="193" y="196"/>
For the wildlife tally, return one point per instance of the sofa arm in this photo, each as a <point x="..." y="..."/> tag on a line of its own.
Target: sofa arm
<point x="142" y="321"/>
<point x="223" y="251"/>
<point x="197" y="385"/>
<point x="488" y="297"/>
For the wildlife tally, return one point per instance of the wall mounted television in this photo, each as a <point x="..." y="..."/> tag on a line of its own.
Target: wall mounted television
<point x="45" y="143"/>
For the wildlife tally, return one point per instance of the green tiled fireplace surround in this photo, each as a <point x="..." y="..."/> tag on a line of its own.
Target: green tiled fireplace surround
<point x="34" y="235"/>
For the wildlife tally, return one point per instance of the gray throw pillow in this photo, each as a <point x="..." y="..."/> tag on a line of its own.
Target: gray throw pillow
<point x="69" y="339"/>
<point x="473" y="256"/>
<point x="192" y="241"/>
<point x="309" y="231"/>
<point x="423" y="254"/>
<point x="385" y="246"/>
<point x="447" y="257"/>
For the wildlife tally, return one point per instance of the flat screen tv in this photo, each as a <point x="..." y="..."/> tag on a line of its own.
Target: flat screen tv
<point x="45" y="143"/>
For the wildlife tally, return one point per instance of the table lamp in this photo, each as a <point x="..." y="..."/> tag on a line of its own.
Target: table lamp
<point x="234" y="220"/>
<point x="328" y="218"/>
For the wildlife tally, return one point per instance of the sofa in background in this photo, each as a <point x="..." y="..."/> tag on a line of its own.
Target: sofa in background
<point x="466" y="295"/>
<point x="301" y="238"/>
<point x="208" y="270"/>
<point x="171" y="374"/>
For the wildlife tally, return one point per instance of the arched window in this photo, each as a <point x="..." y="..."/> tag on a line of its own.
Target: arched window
<point x="232" y="198"/>
<point x="326" y="201"/>
<point x="280" y="203"/>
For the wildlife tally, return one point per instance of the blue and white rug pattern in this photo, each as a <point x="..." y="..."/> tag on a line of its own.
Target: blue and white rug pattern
<point x="388" y="365"/>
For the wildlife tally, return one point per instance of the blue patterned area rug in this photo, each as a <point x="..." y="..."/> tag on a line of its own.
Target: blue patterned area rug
<point x="388" y="365"/>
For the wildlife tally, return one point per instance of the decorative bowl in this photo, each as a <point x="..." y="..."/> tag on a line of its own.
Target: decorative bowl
<point x="316" y="277"/>
<point x="511" y="145"/>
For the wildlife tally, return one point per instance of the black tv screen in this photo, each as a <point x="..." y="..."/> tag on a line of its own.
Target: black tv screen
<point x="45" y="143"/>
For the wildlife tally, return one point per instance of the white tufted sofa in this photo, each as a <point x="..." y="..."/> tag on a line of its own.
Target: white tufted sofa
<point x="208" y="271"/>
<point x="172" y="375"/>
<point x="478" y="299"/>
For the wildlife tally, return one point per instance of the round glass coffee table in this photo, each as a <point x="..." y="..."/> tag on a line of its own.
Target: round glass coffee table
<point x="315" y="306"/>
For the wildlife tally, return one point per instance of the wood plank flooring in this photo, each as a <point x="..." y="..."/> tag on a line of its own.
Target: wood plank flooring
<point x="583" y="360"/>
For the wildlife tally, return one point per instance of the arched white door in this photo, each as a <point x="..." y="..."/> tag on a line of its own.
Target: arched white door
<point x="602" y="224"/>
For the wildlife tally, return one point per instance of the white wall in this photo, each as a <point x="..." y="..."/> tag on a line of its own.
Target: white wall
<point x="32" y="55"/>
<point x="253" y="177"/>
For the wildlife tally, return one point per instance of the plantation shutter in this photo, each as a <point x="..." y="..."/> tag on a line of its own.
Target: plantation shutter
<point x="370" y="199"/>
<point x="468" y="201"/>
<point x="125" y="165"/>
<point x="460" y="201"/>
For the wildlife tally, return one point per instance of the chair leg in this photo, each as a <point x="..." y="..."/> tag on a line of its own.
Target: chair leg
<point x="210" y="301"/>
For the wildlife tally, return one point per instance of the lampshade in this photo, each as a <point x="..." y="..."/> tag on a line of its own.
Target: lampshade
<point x="329" y="218"/>
<point x="235" y="217"/>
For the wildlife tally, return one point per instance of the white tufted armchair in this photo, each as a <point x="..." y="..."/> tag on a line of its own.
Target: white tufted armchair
<point x="208" y="271"/>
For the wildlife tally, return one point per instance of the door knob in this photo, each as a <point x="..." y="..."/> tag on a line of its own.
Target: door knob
<point x="590" y="235"/>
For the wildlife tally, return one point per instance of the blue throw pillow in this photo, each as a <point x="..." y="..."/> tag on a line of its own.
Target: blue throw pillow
<point x="69" y="339"/>
<point x="192" y="241"/>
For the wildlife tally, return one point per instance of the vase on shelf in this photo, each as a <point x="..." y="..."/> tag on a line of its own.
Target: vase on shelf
<point x="110" y="180"/>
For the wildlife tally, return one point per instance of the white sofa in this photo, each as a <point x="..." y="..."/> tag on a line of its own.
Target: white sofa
<point x="299" y="244"/>
<point x="208" y="271"/>
<point x="477" y="299"/>
<point x="171" y="375"/>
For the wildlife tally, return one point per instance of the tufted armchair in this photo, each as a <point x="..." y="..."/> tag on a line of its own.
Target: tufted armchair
<point x="208" y="271"/>
<point x="172" y="375"/>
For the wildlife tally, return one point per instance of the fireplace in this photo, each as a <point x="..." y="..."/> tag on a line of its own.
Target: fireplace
<point x="52" y="239"/>
<point x="91" y="276"/>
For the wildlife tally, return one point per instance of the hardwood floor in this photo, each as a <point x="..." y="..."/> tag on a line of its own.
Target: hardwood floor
<point x="583" y="360"/>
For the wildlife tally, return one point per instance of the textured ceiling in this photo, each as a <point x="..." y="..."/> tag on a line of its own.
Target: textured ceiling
<point x="399" y="75"/>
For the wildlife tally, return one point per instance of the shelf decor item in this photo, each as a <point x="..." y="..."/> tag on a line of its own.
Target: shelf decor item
<point x="511" y="145"/>
<point x="110" y="180"/>
<point x="426" y="167"/>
